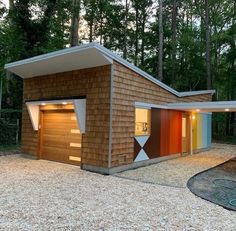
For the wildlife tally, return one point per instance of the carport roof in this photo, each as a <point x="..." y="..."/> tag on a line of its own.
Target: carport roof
<point x="80" y="57"/>
<point x="216" y="106"/>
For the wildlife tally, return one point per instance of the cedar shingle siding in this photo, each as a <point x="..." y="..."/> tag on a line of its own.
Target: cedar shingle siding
<point x="129" y="87"/>
<point x="94" y="83"/>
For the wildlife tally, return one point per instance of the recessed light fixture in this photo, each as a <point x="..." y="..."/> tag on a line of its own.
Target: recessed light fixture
<point x="197" y="110"/>
<point x="43" y="104"/>
<point x="64" y="103"/>
<point x="226" y="109"/>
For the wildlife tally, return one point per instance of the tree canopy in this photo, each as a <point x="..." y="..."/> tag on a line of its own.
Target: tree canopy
<point x="189" y="44"/>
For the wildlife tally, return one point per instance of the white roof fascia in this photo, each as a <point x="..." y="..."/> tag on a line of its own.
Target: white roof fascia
<point x="60" y="62"/>
<point x="208" y="106"/>
<point x="192" y="93"/>
<point x="112" y="56"/>
<point x="204" y="107"/>
<point x="48" y="55"/>
<point x="149" y="105"/>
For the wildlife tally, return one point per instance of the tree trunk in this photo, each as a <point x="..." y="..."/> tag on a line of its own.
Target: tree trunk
<point x="174" y="33"/>
<point x="75" y="23"/>
<point x="143" y="38"/>
<point x="90" y="32"/>
<point x="208" y="45"/>
<point x="136" y="38"/>
<point x="125" y="29"/>
<point x="11" y="4"/>
<point x="160" y="49"/>
<point x="101" y="21"/>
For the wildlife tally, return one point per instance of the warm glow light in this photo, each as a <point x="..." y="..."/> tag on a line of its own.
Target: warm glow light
<point x="226" y="109"/>
<point x="43" y="104"/>
<point x="193" y="117"/>
<point x="64" y="103"/>
<point x="198" y="110"/>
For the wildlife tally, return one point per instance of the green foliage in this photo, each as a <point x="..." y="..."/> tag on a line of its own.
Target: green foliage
<point x="8" y="132"/>
<point x="130" y="28"/>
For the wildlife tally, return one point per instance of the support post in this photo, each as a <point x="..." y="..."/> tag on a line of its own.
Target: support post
<point x="191" y="135"/>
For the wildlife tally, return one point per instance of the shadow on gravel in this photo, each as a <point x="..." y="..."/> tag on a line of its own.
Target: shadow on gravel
<point x="217" y="184"/>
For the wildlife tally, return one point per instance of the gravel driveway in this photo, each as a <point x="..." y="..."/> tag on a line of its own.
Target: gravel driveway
<point x="43" y="195"/>
<point x="177" y="172"/>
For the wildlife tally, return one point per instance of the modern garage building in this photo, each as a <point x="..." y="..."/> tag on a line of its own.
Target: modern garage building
<point x="89" y="107"/>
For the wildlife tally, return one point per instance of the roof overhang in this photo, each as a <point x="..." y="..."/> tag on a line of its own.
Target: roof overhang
<point x="60" y="61"/>
<point x="81" y="57"/>
<point x="207" y="107"/>
<point x="217" y="106"/>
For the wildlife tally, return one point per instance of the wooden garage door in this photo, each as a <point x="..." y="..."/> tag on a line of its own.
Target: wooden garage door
<point x="60" y="137"/>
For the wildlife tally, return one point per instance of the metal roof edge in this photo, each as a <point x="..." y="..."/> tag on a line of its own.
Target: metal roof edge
<point x="113" y="56"/>
<point x="201" y="92"/>
<point x="210" y="103"/>
<point x="50" y="55"/>
<point x="147" y="76"/>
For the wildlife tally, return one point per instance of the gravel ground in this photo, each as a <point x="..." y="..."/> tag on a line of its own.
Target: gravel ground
<point x="12" y="152"/>
<point x="176" y="172"/>
<point x="42" y="195"/>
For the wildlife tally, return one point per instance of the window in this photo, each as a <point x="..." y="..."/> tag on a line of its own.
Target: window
<point x="142" y="122"/>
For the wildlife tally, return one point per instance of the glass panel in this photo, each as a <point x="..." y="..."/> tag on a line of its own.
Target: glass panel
<point x="142" y="122"/>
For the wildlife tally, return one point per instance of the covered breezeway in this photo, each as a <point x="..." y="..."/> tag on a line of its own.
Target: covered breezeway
<point x="195" y="110"/>
<point x="176" y="172"/>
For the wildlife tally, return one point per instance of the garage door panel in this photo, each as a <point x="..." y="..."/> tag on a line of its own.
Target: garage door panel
<point x="64" y="153"/>
<point x="61" y="123"/>
<point x="62" y="144"/>
<point x="57" y="143"/>
<point x="60" y="137"/>
<point x="56" y="131"/>
<point x="67" y="130"/>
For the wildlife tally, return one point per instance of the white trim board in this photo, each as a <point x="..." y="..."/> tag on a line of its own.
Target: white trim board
<point x="89" y="55"/>
<point x="204" y="107"/>
<point x="215" y="106"/>
<point x="149" y="105"/>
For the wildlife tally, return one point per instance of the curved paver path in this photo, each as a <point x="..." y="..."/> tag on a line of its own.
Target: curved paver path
<point x="217" y="184"/>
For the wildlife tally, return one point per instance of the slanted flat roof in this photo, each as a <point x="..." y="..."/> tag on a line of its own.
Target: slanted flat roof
<point x="208" y="107"/>
<point x="216" y="106"/>
<point x="81" y="57"/>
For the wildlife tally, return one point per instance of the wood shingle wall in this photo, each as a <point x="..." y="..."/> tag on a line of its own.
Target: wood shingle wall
<point x="128" y="88"/>
<point x="94" y="83"/>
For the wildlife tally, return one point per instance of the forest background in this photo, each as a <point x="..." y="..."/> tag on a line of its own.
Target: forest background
<point x="188" y="44"/>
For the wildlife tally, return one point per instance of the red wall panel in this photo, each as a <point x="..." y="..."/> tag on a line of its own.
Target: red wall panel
<point x="171" y="132"/>
<point x="166" y="134"/>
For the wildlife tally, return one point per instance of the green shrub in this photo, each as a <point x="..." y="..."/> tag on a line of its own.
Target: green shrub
<point x="7" y="132"/>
